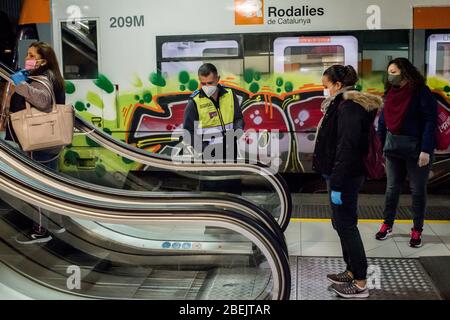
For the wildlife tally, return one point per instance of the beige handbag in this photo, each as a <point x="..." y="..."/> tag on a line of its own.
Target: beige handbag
<point x="4" y="112"/>
<point x="38" y="130"/>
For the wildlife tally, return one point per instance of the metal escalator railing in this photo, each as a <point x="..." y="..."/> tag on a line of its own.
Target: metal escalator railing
<point x="201" y="170"/>
<point x="108" y="279"/>
<point x="281" y="209"/>
<point x="16" y="159"/>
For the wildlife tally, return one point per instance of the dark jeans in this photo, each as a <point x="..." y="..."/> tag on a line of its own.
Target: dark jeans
<point x="396" y="171"/>
<point x="229" y="186"/>
<point x="50" y="160"/>
<point x="345" y="220"/>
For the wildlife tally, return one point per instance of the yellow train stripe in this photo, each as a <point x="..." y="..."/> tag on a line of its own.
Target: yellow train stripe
<point x="369" y="220"/>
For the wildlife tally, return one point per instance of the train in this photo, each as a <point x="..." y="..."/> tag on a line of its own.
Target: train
<point x="130" y="67"/>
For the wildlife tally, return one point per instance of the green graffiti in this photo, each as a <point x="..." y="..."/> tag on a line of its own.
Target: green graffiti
<point x="289" y="87"/>
<point x="182" y="87"/>
<point x="104" y="83"/>
<point x="157" y="79"/>
<point x="248" y="75"/>
<point x="141" y="101"/>
<point x="359" y="87"/>
<point x="79" y="106"/>
<point x="147" y="97"/>
<point x="91" y="143"/>
<point x="447" y="88"/>
<point x="70" y="158"/>
<point x="193" y="85"/>
<point x="183" y="77"/>
<point x="107" y="131"/>
<point x="127" y="161"/>
<point x="278" y="90"/>
<point x="100" y="170"/>
<point x="137" y="98"/>
<point x="70" y="87"/>
<point x="257" y="76"/>
<point x="94" y="99"/>
<point x="279" y="81"/>
<point x="254" y="87"/>
<point x="137" y="82"/>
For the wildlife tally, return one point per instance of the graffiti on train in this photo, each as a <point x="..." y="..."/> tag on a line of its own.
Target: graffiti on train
<point x="148" y="113"/>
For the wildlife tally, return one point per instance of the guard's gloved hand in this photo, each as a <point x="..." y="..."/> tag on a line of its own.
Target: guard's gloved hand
<point x="326" y="177"/>
<point x="336" y="197"/>
<point x="19" y="77"/>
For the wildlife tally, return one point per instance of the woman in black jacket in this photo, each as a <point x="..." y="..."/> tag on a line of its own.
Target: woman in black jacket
<point x="407" y="128"/>
<point x="40" y="61"/>
<point x="342" y="143"/>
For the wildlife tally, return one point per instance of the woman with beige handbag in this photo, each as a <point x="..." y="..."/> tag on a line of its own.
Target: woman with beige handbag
<point x="40" y="63"/>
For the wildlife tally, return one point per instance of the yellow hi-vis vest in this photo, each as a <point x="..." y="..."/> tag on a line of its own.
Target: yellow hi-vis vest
<point x="212" y="121"/>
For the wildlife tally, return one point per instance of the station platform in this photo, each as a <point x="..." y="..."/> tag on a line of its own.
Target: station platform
<point x="404" y="273"/>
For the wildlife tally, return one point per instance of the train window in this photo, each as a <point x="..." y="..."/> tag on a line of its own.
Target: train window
<point x="377" y="48"/>
<point x="188" y="56"/>
<point x="314" y="54"/>
<point x="199" y="49"/>
<point x="79" y="49"/>
<point x="443" y="60"/>
<point x="313" y="59"/>
<point x="439" y="55"/>
<point x="257" y="53"/>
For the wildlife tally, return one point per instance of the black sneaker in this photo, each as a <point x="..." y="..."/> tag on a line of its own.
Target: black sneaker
<point x="416" y="239"/>
<point x="384" y="233"/>
<point x="34" y="237"/>
<point x="340" y="278"/>
<point x="350" y="290"/>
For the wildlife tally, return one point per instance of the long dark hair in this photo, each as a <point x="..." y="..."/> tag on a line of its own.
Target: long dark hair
<point x="344" y="74"/>
<point x="408" y="71"/>
<point x="51" y="68"/>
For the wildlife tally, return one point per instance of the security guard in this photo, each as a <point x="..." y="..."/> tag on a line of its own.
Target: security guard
<point x="212" y="112"/>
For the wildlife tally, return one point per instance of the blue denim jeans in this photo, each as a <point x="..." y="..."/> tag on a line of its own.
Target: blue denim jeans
<point x="396" y="171"/>
<point x="50" y="160"/>
<point x="345" y="221"/>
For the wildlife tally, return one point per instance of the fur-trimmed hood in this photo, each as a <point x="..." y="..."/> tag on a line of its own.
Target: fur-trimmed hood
<point x="368" y="101"/>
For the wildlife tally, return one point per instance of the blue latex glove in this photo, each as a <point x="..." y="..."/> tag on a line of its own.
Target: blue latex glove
<point x="336" y="197"/>
<point x="19" y="76"/>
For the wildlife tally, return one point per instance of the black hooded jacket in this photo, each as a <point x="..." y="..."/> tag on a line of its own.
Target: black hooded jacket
<point x="342" y="139"/>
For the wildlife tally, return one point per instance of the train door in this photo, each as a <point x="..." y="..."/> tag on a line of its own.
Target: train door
<point x="301" y="62"/>
<point x="438" y="79"/>
<point x="432" y="32"/>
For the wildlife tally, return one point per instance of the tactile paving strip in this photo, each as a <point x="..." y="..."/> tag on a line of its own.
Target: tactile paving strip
<point x="399" y="279"/>
<point x="320" y="211"/>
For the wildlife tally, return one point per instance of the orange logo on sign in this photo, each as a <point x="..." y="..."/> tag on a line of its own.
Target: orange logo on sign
<point x="248" y="12"/>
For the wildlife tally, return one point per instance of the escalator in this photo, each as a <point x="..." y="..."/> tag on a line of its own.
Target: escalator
<point x="247" y="261"/>
<point x="126" y="244"/>
<point x="103" y="164"/>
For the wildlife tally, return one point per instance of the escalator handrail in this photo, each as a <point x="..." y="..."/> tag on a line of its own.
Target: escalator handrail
<point x="159" y="161"/>
<point x="30" y="192"/>
<point x="93" y="190"/>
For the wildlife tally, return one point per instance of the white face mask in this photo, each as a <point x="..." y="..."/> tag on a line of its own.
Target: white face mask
<point x="209" y="90"/>
<point x="326" y="93"/>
